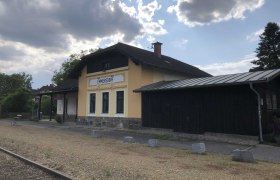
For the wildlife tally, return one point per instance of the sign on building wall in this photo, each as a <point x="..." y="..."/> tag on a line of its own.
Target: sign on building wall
<point x="107" y="80"/>
<point x="59" y="108"/>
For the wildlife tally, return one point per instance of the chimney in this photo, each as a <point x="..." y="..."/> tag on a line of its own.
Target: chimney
<point x="157" y="48"/>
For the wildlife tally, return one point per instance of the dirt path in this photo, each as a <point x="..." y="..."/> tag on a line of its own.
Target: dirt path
<point x="84" y="157"/>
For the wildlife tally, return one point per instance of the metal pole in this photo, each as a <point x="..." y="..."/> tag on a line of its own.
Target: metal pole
<point x="259" y="112"/>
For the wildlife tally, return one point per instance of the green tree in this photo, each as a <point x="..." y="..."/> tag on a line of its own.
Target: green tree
<point x="268" y="52"/>
<point x="46" y="105"/>
<point x="11" y="83"/>
<point x="67" y="66"/>
<point x="19" y="101"/>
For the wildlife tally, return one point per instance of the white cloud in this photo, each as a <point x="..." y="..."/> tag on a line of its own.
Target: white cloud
<point x="146" y="12"/>
<point x="2" y="9"/>
<point x="37" y="36"/>
<point x="204" y="12"/>
<point x="255" y="35"/>
<point x="129" y="10"/>
<point x="161" y="21"/>
<point x="151" y="39"/>
<point x="181" y="43"/>
<point x="153" y="28"/>
<point x="34" y="61"/>
<point x="171" y="9"/>
<point x="233" y="67"/>
<point x="47" y="24"/>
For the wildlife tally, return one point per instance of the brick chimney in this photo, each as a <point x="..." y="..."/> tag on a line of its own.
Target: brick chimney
<point x="157" y="48"/>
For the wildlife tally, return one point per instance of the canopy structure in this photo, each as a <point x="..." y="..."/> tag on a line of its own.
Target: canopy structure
<point x="68" y="86"/>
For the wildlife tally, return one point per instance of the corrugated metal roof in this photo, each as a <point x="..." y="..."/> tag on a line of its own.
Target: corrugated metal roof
<point x="229" y="79"/>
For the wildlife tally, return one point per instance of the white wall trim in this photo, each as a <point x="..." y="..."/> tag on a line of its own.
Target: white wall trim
<point x="124" y="99"/>
<point x="101" y="113"/>
<point x="88" y="103"/>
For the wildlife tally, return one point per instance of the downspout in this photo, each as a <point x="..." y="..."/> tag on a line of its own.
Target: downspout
<point x="259" y="112"/>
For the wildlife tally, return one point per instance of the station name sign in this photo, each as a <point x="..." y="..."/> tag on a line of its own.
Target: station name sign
<point x="107" y="80"/>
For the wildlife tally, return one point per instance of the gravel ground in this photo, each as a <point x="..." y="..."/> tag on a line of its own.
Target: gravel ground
<point x="12" y="168"/>
<point x="84" y="157"/>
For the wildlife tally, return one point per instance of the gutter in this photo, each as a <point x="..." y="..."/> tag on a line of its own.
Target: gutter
<point x="259" y="111"/>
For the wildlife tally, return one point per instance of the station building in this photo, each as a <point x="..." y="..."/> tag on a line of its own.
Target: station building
<point x="108" y="77"/>
<point x="127" y="86"/>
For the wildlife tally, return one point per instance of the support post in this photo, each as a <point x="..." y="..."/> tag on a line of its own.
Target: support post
<point x="76" y="116"/>
<point x="39" y="107"/>
<point x="51" y="107"/>
<point x="64" y="108"/>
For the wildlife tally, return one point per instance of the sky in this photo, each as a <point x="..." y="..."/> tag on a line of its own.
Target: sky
<point x="217" y="36"/>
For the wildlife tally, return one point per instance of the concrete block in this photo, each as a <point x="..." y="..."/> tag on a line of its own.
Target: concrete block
<point x="198" y="148"/>
<point x="243" y="156"/>
<point x="95" y="134"/>
<point x="153" y="143"/>
<point x="128" y="139"/>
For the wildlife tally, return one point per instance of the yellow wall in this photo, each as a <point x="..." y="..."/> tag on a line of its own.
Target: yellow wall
<point x="98" y="89"/>
<point x="134" y="80"/>
<point x="135" y="76"/>
<point x="82" y="93"/>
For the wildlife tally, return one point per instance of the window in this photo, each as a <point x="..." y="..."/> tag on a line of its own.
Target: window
<point x="106" y="66"/>
<point x="120" y="102"/>
<point x="271" y="100"/>
<point x="92" y="102"/>
<point x="274" y="101"/>
<point x="268" y="100"/>
<point x="105" y="102"/>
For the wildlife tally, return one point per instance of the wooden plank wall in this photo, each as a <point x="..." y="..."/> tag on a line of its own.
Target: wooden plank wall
<point x="228" y="109"/>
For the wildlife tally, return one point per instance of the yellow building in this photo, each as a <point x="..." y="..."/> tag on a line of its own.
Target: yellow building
<point x="107" y="79"/>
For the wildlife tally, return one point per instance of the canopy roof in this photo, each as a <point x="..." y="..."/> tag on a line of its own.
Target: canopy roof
<point x="222" y="80"/>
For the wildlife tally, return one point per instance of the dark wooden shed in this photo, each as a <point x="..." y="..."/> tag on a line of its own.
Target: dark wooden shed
<point x="222" y="104"/>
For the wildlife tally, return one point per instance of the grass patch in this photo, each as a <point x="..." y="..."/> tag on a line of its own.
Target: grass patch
<point x="273" y="144"/>
<point x="47" y="155"/>
<point x="108" y="173"/>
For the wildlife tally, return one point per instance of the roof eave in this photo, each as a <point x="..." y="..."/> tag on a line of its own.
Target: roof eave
<point x="140" y="90"/>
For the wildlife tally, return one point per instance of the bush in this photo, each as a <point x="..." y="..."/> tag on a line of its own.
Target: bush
<point x="36" y="119"/>
<point x="20" y="101"/>
<point x="58" y="119"/>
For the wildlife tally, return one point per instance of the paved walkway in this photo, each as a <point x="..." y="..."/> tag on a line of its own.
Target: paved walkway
<point x="213" y="143"/>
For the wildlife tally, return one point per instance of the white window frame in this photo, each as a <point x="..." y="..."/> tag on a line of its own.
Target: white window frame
<point x="88" y="108"/>
<point x="120" y="114"/>
<point x="105" y="114"/>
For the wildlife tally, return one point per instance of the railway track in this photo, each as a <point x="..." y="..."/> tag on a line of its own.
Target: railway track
<point x="14" y="166"/>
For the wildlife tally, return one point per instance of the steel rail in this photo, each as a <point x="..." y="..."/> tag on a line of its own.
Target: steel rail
<point x="40" y="166"/>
